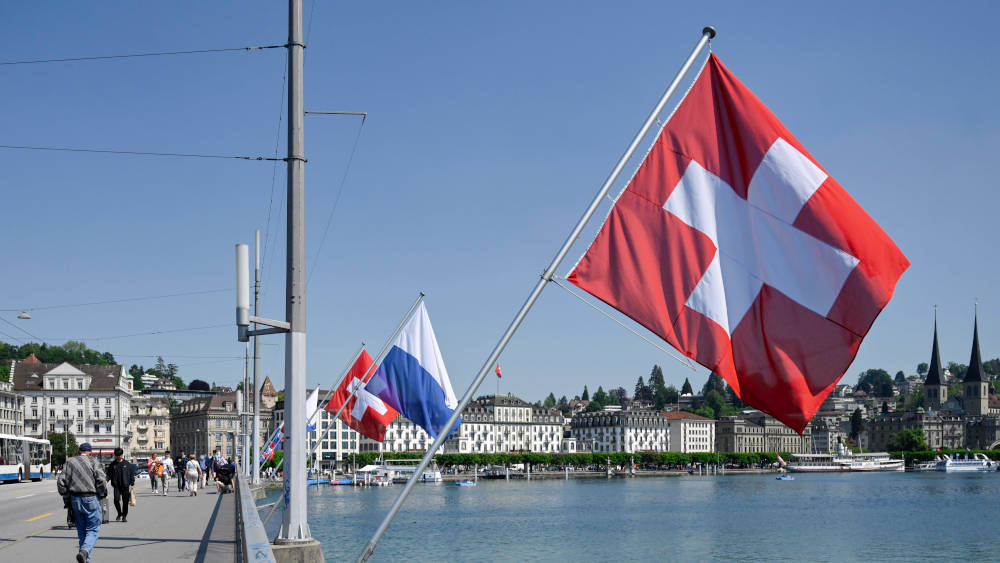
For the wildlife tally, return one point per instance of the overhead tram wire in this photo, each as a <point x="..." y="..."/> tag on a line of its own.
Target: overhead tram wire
<point x="149" y="333"/>
<point x="42" y="340"/>
<point x="340" y="190"/>
<point x="274" y="173"/>
<point x="121" y="300"/>
<point x="136" y="153"/>
<point x="136" y="55"/>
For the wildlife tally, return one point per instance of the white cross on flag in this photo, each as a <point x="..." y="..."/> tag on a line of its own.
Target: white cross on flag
<point x="366" y="413"/>
<point x="733" y="245"/>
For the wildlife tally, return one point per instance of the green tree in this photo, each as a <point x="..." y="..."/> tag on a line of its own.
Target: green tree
<point x="908" y="440"/>
<point x="59" y="449"/>
<point x="642" y="392"/>
<point x="686" y="389"/>
<point x="586" y="394"/>
<point x="656" y="377"/>
<point x="600" y="396"/>
<point x="957" y="370"/>
<point x="550" y="401"/>
<point x="715" y="401"/>
<point x="618" y="396"/>
<point x="670" y="395"/>
<point x="706" y="412"/>
<point x="992" y="367"/>
<point x="137" y="383"/>
<point x="857" y="423"/>
<point x="5" y="372"/>
<point x="879" y="380"/>
<point x="900" y="377"/>
<point x="922" y="369"/>
<point x="715" y="382"/>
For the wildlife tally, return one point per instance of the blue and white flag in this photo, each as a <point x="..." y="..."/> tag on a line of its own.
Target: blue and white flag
<point x="412" y="378"/>
<point x="311" y="403"/>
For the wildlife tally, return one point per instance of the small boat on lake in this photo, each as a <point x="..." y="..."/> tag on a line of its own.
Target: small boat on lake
<point x="785" y="477"/>
<point x="978" y="462"/>
<point x="466" y="483"/>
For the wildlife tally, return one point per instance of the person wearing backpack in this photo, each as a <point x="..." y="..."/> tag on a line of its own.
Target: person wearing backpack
<point x="121" y="474"/>
<point x="82" y="481"/>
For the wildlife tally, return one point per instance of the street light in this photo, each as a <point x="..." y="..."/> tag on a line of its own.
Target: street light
<point x="24" y="315"/>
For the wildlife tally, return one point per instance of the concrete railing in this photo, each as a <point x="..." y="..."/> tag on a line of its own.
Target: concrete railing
<point x="251" y="539"/>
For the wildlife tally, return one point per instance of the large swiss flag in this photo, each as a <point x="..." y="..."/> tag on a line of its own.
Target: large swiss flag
<point x="365" y="413"/>
<point x="734" y="245"/>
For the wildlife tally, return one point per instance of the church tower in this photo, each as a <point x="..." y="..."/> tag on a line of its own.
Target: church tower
<point x="976" y="383"/>
<point x="934" y="386"/>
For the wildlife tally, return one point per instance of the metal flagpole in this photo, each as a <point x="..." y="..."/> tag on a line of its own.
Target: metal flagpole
<point x="706" y="34"/>
<point x="255" y="447"/>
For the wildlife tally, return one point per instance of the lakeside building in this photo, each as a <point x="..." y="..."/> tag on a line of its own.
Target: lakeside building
<point x="616" y="430"/>
<point x="91" y="402"/>
<point x="755" y="432"/>
<point x="149" y="426"/>
<point x="941" y="430"/>
<point x="506" y="423"/>
<point x="829" y="431"/>
<point x="207" y="424"/>
<point x="148" y="380"/>
<point x="402" y="435"/>
<point x="11" y="410"/>
<point x="689" y="432"/>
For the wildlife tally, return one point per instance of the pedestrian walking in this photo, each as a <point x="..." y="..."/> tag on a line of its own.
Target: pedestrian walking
<point x="149" y="471"/>
<point x="179" y="465"/>
<point x="82" y="482"/>
<point x="159" y="476"/>
<point x="203" y="464"/>
<point x="193" y="471"/>
<point x="168" y="471"/>
<point x="121" y="474"/>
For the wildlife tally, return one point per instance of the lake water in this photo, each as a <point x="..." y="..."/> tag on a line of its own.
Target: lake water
<point x="816" y="517"/>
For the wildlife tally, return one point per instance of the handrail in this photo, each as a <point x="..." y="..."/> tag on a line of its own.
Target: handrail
<point x="251" y="539"/>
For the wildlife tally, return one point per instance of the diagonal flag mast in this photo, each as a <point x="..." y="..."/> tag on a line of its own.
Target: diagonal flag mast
<point x="378" y="359"/>
<point x="706" y="35"/>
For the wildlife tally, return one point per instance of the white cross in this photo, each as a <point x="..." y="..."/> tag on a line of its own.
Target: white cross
<point x="755" y="240"/>
<point x="364" y="400"/>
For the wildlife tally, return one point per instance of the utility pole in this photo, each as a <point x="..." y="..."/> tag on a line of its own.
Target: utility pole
<point x="255" y="449"/>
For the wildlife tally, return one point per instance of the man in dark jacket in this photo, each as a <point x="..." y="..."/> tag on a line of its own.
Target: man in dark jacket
<point x="82" y="482"/>
<point x="122" y="476"/>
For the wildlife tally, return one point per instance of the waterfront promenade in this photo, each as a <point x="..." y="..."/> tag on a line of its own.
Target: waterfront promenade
<point x="174" y="527"/>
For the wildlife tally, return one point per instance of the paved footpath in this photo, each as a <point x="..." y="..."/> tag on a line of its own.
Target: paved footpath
<point x="159" y="528"/>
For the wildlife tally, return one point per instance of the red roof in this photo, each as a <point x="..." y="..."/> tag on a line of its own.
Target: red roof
<point x="682" y="415"/>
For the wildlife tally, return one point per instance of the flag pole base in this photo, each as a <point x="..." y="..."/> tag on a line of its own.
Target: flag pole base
<point x="299" y="551"/>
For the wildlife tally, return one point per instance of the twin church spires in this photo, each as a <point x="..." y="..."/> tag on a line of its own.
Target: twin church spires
<point x="976" y="395"/>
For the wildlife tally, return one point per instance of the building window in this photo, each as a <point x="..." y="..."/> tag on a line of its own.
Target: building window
<point x="65" y="414"/>
<point x="107" y="428"/>
<point x="218" y="437"/>
<point x="52" y="400"/>
<point x="65" y="384"/>
<point x="79" y="400"/>
<point x="52" y="427"/>
<point x="34" y="412"/>
<point x="159" y="445"/>
<point x="52" y="413"/>
<point x="97" y="428"/>
<point x="107" y="414"/>
<point x="79" y="428"/>
<point x="229" y="450"/>
<point x="34" y="427"/>
<point x="65" y="400"/>
<point x="218" y="424"/>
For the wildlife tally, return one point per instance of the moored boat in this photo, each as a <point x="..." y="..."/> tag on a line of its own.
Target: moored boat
<point x="844" y="461"/>
<point x="978" y="462"/>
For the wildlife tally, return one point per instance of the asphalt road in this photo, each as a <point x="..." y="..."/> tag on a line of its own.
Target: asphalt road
<point x="28" y="508"/>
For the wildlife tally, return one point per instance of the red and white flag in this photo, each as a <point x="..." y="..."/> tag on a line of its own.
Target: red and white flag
<point x="498" y="371"/>
<point x="733" y="245"/>
<point x="366" y="413"/>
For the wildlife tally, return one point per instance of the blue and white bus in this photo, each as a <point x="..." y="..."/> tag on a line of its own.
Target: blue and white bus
<point x="24" y="458"/>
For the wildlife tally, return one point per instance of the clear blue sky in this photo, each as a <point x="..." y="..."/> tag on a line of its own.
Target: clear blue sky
<point x="490" y="129"/>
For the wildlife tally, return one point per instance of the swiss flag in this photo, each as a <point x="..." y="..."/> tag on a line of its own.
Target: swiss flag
<point x="734" y="245"/>
<point x="366" y="413"/>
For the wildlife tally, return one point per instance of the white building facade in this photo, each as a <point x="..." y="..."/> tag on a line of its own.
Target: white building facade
<point x="689" y="432"/>
<point x="91" y="402"/>
<point x="616" y="430"/>
<point x="506" y="424"/>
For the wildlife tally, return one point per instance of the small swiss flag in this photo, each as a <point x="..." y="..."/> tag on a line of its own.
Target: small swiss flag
<point x="735" y="246"/>
<point x="365" y="413"/>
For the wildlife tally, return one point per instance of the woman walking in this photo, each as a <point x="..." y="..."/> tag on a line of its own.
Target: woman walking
<point x="193" y="475"/>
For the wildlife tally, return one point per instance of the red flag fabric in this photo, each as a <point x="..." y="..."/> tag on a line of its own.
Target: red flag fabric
<point x="498" y="371"/>
<point x="366" y="413"/>
<point x="733" y="245"/>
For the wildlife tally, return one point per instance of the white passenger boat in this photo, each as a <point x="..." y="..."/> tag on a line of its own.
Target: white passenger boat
<point x="844" y="461"/>
<point x="978" y="462"/>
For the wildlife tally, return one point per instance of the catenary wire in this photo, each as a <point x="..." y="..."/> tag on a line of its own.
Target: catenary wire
<point x="134" y="55"/>
<point x="336" y="201"/>
<point x="42" y="340"/>
<point x="121" y="300"/>
<point x="135" y="153"/>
